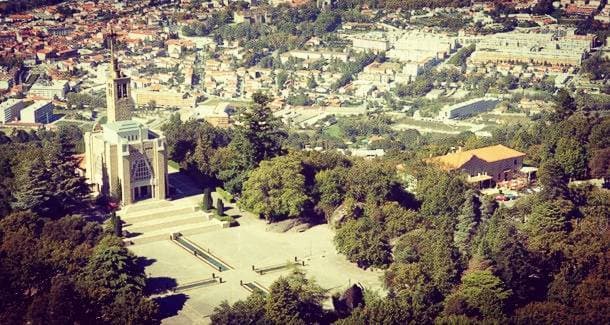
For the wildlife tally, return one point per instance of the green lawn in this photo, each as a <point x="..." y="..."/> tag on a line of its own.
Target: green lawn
<point x="334" y="131"/>
<point x="84" y="126"/>
<point x="173" y="164"/>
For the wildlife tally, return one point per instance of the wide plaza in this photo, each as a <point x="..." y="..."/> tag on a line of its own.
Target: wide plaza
<point x="170" y="266"/>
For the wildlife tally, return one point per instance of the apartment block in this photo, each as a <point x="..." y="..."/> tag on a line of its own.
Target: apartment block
<point x="9" y="110"/>
<point x="41" y="111"/>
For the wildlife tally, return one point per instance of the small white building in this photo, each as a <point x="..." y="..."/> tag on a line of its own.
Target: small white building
<point x="468" y="108"/>
<point x="50" y="89"/>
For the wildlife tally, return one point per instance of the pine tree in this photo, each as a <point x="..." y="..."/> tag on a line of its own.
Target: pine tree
<point x="553" y="179"/>
<point x="118" y="226"/>
<point x="207" y="199"/>
<point x="36" y="193"/>
<point x="257" y="138"/>
<point x="118" y="190"/>
<point x="70" y="189"/>
<point x="467" y="222"/>
<point x="220" y="207"/>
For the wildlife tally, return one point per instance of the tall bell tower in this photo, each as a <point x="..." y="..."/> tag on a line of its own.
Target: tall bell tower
<point x="118" y="90"/>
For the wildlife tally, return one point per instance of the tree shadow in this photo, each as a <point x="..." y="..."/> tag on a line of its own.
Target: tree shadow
<point x="170" y="305"/>
<point x="158" y="285"/>
<point x="144" y="261"/>
<point x="182" y="185"/>
<point x="405" y="199"/>
<point x="235" y="216"/>
<point x="130" y="234"/>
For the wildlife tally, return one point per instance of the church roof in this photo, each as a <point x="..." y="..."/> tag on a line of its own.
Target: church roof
<point x="124" y="126"/>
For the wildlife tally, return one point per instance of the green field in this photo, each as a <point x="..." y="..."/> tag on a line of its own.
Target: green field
<point x="334" y="131"/>
<point x="85" y="126"/>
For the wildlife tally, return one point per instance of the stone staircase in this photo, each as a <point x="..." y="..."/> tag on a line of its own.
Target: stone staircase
<point x="154" y="221"/>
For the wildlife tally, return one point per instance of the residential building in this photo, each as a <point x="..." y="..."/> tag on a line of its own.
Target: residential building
<point x="9" y="110"/>
<point x="468" y="108"/>
<point x="50" y="89"/>
<point x="484" y="165"/>
<point x="41" y="111"/>
<point x="375" y="43"/>
<point x="560" y="48"/>
<point x="163" y="98"/>
<point x="314" y="55"/>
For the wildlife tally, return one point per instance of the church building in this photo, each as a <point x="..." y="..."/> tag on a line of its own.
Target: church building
<point x="123" y="157"/>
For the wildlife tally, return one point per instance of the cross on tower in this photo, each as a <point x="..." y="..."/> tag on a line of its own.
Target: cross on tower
<point x="114" y="66"/>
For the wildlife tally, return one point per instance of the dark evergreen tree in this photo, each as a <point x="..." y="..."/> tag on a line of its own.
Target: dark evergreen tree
<point x="207" y="199"/>
<point x="220" y="207"/>
<point x="467" y="222"/>
<point x="565" y="106"/>
<point x="553" y="179"/>
<point x="5" y="200"/>
<point x="36" y="194"/>
<point x="70" y="189"/>
<point x="258" y="138"/>
<point x="114" y="282"/>
<point x="118" y="227"/>
<point x="118" y="190"/>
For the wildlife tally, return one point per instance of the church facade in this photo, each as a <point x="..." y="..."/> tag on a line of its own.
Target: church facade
<point x="124" y="159"/>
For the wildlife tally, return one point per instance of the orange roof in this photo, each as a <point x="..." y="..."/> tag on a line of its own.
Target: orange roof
<point x="489" y="154"/>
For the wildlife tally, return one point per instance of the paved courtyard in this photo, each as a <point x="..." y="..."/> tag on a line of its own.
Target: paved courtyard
<point x="168" y="265"/>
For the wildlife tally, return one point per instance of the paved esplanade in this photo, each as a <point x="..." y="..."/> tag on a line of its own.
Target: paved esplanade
<point x="239" y="247"/>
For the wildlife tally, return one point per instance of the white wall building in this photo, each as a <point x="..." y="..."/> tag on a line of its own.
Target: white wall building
<point x="41" y="111"/>
<point x="9" y="110"/>
<point x="468" y="108"/>
<point x="50" y="89"/>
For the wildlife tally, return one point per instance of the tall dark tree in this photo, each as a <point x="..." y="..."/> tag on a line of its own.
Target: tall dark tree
<point x="114" y="281"/>
<point x="6" y="176"/>
<point x="207" y="199"/>
<point x="294" y="299"/>
<point x="258" y="137"/>
<point x="467" y="222"/>
<point x="118" y="227"/>
<point x="36" y="195"/>
<point x="565" y="106"/>
<point x="220" y="207"/>
<point x="553" y="179"/>
<point x="70" y="189"/>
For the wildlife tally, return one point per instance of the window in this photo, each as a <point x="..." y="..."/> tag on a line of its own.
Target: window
<point x="515" y="161"/>
<point x="121" y="90"/>
<point x="140" y="170"/>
